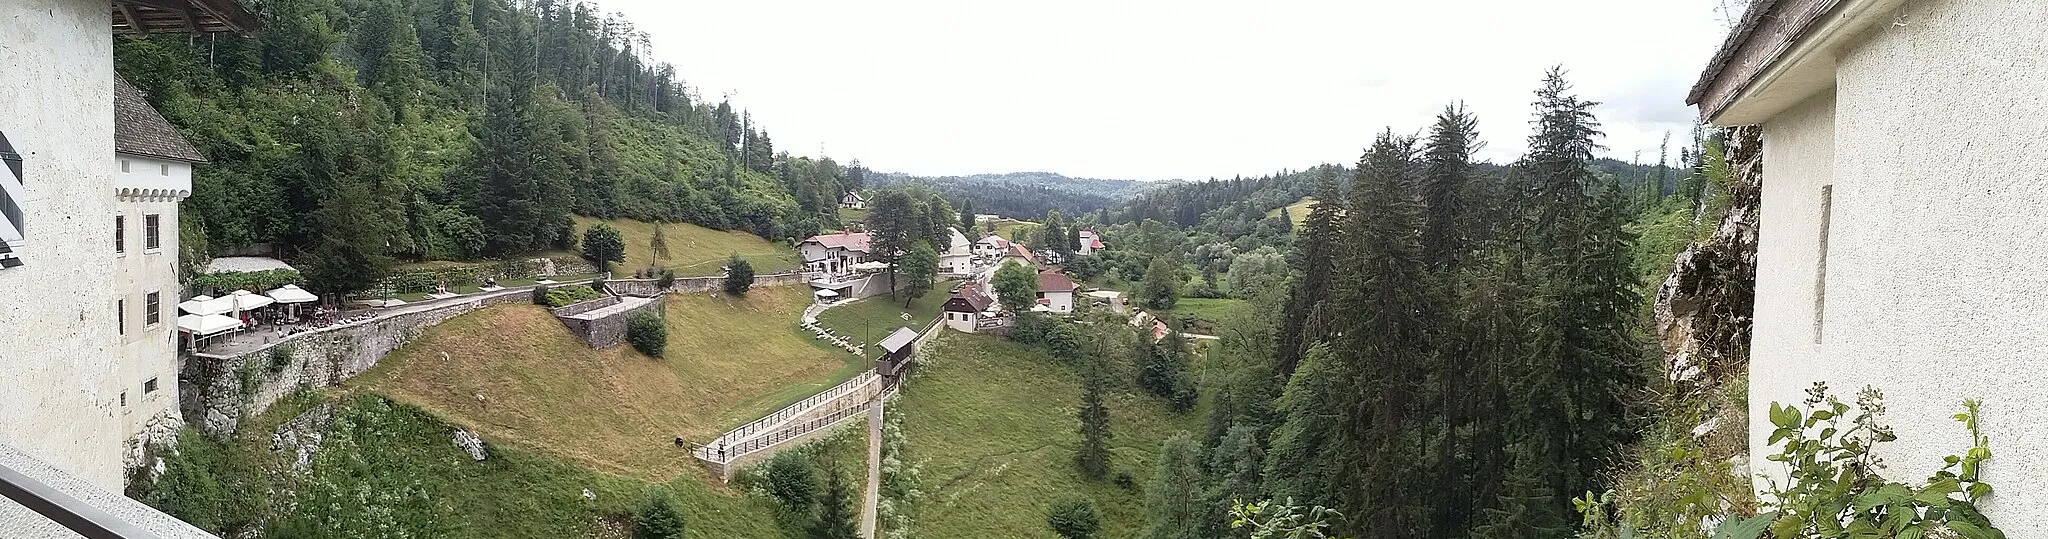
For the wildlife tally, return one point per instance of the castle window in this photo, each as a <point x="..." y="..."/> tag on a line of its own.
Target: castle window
<point x="152" y="229"/>
<point x="149" y="386"/>
<point x="151" y="309"/>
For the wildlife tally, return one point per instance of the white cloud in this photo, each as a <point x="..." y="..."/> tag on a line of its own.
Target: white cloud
<point x="1157" y="89"/>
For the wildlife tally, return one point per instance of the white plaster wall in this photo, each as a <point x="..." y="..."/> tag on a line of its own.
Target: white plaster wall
<point x="56" y="105"/>
<point x="1799" y="149"/>
<point x="1937" y="285"/>
<point x="147" y="351"/>
<point x="148" y="173"/>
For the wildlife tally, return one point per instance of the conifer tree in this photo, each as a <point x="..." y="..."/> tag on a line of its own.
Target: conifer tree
<point x="837" y="512"/>
<point x="1384" y="286"/>
<point x="967" y="217"/>
<point x="1304" y="321"/>
<point x="1093" y="454"/>
<point x="1174" y="504"/>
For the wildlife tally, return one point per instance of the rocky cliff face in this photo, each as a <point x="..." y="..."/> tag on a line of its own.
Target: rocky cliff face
<point x="1704" y="308"/>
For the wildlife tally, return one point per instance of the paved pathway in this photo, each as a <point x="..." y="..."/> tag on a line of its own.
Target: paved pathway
<point x="874" y="494"/>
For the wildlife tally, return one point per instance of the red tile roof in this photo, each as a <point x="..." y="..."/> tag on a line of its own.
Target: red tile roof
<point x="1053" y="281"/>
<point x="1020" y="251"/>
<point x="851" y="241"/>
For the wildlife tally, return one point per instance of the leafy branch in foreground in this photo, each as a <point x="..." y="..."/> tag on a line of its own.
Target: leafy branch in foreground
<point x="1832" y="488"/>
<point x="1268" y="520"/>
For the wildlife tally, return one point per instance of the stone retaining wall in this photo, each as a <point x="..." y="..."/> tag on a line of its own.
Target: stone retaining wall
<point x="685" y="285"/>
<point x="214" y="392"/>
<point x="609" y="330"/>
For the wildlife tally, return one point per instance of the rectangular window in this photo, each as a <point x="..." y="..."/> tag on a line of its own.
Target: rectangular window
<point x="1820" y="268"/>
<point x="121" y="316"/>
<point x="151" y="230"/>
<point x="124" y="165"/>
<point x="163" y="170"/>
<point x="151" y="313"/>
<point x="124" y="398"/>
<point x="149" y="386"/>
<point x="120" y="233"/>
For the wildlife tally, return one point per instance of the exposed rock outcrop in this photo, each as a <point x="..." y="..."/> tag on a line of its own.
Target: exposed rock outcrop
<point x="1704" y="308"/>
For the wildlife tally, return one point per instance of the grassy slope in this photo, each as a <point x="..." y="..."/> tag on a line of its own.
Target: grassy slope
<point x="516" y="493"/>
<point x="614" y="409"/>
<point x="1297" y="212"/>
<point x="871" y="319"/>
<point x="1210" y="310"/>
<point x="695" y="250"/>
<point x="992" y="424"/>
<point x="850" y="215"/>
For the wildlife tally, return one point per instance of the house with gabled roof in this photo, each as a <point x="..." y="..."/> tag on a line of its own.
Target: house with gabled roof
<point x="835" y="253"/>
<point x="853" y="200"/>
<point x="1056" y="291"/>
<point x="967" y="308"/>
<point x="1090" y="243"/>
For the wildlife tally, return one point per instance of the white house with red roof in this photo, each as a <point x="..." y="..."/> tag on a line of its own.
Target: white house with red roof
<point x="1090" y="243"/>
<point x="991" y="245"/>
<point x="835" y="253"/>
<point x="1056" y="291"/>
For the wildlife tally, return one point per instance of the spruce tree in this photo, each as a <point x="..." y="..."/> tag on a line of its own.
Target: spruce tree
<point x="967" y="217"/>
<point x="838" y="516"/>
<point x="1093" y="454"/>
<point x="1303" y="319"/>
<point x="1174" y="504"/>
<point x="1384" y="285"/>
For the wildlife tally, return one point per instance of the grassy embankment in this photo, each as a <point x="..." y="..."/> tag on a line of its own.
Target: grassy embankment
<point x="694" y="250"/>
<point x="518" y="376"/>
<point x="992" y="424"/>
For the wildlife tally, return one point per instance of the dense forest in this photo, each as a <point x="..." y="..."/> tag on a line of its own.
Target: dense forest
<point x="1023" y="195"/>
<point x="351" y="134"/>
<point x="1442" y="347"/>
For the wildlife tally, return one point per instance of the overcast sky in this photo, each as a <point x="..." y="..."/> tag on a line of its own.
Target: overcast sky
<point x="1172" y="89"/>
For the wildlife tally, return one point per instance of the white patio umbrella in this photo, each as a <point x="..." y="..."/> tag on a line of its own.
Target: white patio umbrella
<point x="245" y="300"/>
<point x="206" y="326"/>
<point x="205" y="305"/>
<point x="291" y="293"/>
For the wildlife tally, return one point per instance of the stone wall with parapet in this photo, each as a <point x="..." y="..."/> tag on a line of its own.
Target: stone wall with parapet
<point x="216" y="391"/>
<point x="609" y="329"/>
<point x="687" y="285"/>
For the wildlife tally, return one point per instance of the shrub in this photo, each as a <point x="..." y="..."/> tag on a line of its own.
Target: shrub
<point x="668" y="277"/>
<point x="279" y="358"/>
<point x="739" y="276"/>
<point x="1074" y="518"/>
<point x="658" y="519"/>
<point x="540" y="295"/>
<point x="793" y="480"/>
<point x="603" y="245"/>
<point x="647" y="334"/>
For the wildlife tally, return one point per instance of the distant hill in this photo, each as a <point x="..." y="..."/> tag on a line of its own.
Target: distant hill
<point x="1023" y="195"/>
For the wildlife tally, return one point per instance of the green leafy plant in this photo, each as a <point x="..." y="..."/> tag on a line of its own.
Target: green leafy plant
<point x="1832" y="488"/>
<point x="1074" y="518"/>
<point x="1268" y="520"/>
<point x="647" y="334"/>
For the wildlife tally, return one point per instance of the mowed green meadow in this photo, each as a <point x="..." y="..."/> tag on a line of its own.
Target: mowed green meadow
<point x="992" y="425"/>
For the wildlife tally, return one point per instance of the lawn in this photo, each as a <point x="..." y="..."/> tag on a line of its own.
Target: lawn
<point x="517" y="375"/>
<point x="1208" y="312"/>
<point x="992" y="424"/>
<point x="871" y="319"/>
<point x="1004" y="227"/>
<point x="1297" y="211"/>
<point x="850" y="215"/>
<point x="695" y="250"/>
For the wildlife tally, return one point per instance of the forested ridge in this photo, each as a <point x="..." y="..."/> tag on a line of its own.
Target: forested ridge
<point x="355" y="133"/>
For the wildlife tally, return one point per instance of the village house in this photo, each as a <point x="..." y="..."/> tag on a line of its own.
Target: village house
<point x="991" y="245"/>
<point x="152" y="173"/>
<point x="958" y="258"/>
<point x="1900" y="225"/>
<point x="968" y="307"/>
<point x="1056" y="291"/>
<point x="835" y="254"/>
<point x="1017" y="252"/>
<point x="853" y="200"/>
<point x="1090" y="243"/>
